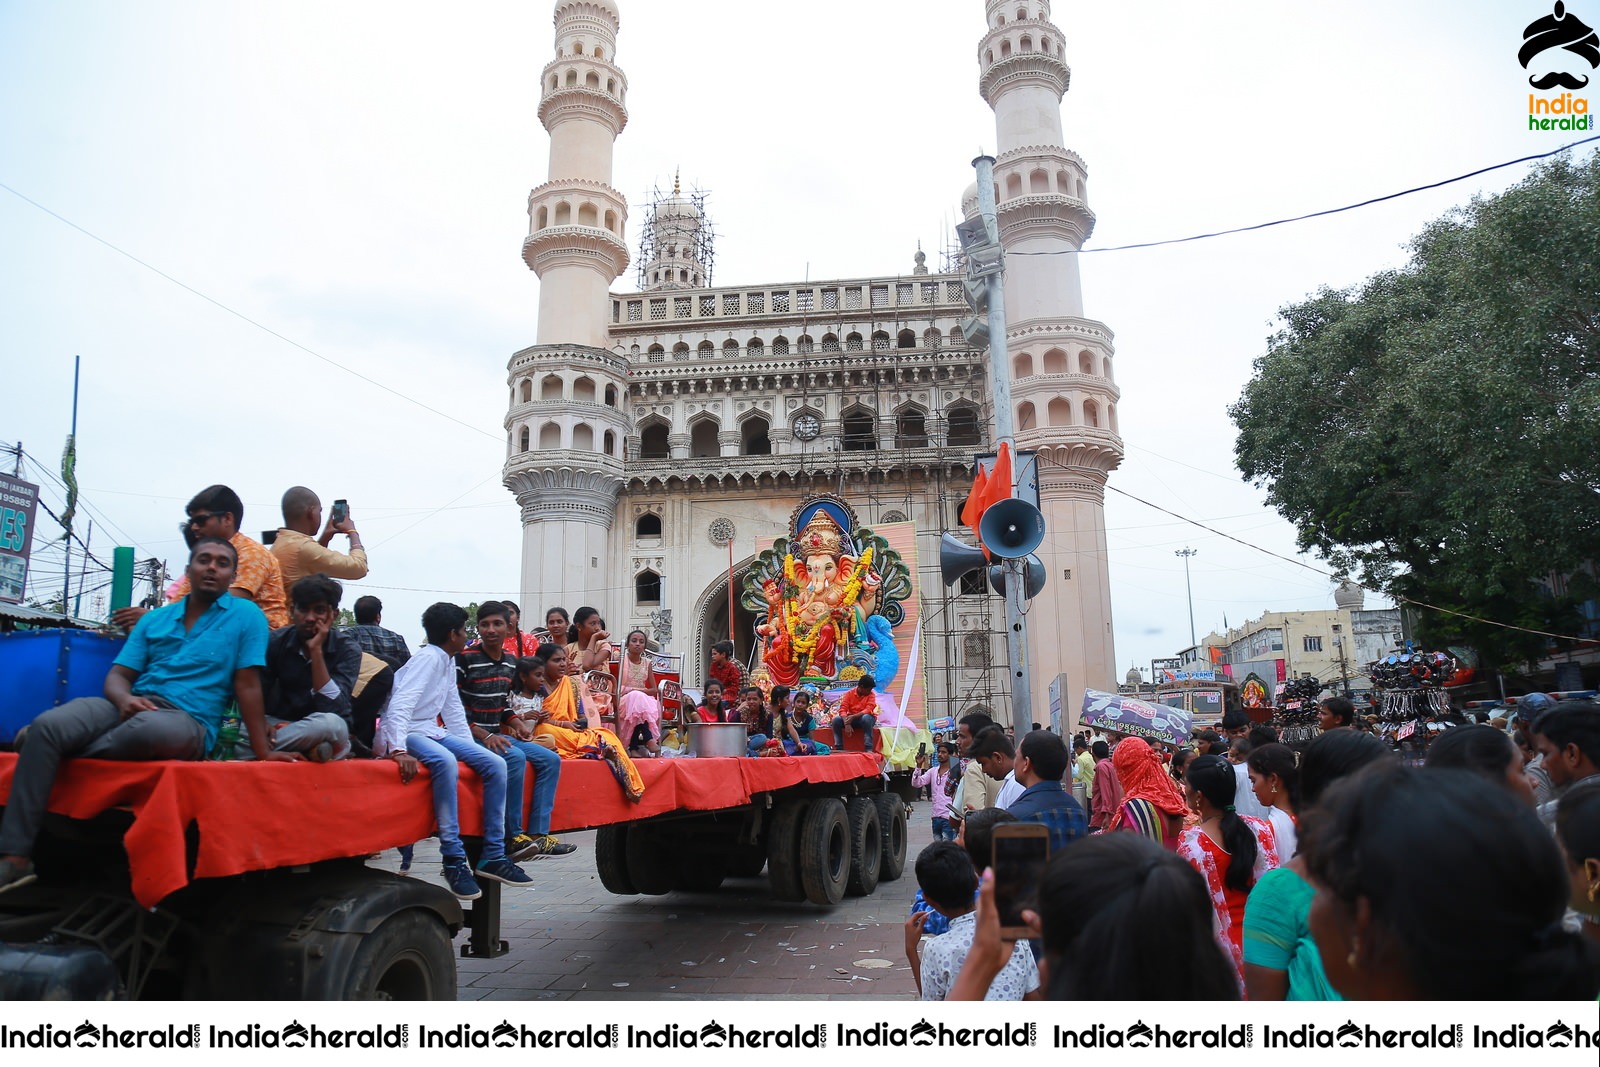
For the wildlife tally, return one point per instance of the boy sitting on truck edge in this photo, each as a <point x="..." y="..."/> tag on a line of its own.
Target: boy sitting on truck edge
<point x="164" y="698"/>
<point x="857" y="711"/>
<point x="310" y="676"/>
<point x="424" y="693"/>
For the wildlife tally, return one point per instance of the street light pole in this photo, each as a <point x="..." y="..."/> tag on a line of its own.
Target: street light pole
<point x="1186" y="553"/>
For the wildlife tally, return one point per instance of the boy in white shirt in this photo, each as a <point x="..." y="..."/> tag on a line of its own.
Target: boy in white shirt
<point x="424" y="693"/>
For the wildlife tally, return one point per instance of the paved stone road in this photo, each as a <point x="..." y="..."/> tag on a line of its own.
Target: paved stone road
<point x="571" y="939"/>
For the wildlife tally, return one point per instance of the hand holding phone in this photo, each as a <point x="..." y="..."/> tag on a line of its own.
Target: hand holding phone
<point x="340" y="512"/>
<point x="1020" y="852"/>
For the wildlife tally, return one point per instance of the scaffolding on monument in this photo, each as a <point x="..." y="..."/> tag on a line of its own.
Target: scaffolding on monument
<point x="672" y="231"/>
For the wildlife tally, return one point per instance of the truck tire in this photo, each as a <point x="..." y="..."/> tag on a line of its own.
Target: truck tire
<point x="866" y="845"/>
<point x="747" y="863"/>
<point x="409" y="957"/>
<point x="611" y="859"/>
<point x="700" y="872"/>
<point x="892" y="820"/>
<point x="651" y="866"/>
<point x="825" y="851"/>
<point x="783" y="851"/>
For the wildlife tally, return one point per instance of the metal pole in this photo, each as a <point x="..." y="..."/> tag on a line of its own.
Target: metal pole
<point x="1186" y="553"/>
<point x="1000" y="370"/>
<point x="66" y="585"/>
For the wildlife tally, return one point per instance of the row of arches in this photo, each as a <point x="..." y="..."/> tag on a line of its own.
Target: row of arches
<point x="1060" y="412"/>
<point x="858" y="432"/>
<point x="805" y="345"/>
<point x="588" y="215"/>
<point x="553" y="387"/>
<point x="1039" y="184"/>
<point x="591" y="80"/>
<point x="1055" y="361"/>
<point x="553" y="436"/>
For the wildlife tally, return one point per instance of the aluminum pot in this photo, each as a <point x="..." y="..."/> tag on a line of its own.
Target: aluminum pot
<point x="708" y="739"/>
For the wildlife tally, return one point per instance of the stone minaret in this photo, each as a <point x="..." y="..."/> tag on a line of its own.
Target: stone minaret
<point x="567" y="421"/>
<point x="1060" y="361"/>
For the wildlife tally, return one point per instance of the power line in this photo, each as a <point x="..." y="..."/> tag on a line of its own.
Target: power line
<point x="246" y="318"/>
<point x="1313" y="214"/>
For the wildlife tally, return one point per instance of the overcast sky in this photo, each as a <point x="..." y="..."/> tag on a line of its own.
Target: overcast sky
<point x="353" y="177"/>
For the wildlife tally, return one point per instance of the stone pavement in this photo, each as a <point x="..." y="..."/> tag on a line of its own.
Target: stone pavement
<point x="571" y="939"/>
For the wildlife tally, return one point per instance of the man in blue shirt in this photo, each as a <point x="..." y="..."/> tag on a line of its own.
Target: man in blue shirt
<point x="164" y="699"/>
<point x="1041" y="761"/>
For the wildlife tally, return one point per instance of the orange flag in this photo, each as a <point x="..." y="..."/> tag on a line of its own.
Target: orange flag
<point x="972" y="510"/>
<point x="999" y="485"/>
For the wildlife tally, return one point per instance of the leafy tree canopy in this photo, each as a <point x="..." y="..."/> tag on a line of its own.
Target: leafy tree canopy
<point x="1436" y="431"/>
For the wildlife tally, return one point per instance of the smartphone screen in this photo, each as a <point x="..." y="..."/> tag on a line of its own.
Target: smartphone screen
<point x="1020" y="853"/>
<point x="341" y="509"/>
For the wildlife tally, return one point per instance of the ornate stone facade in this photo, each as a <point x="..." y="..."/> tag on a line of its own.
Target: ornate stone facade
<point x="646" y="427"/>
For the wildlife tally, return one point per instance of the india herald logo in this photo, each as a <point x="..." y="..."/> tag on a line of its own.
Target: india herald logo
<point x="1563" y="31"/>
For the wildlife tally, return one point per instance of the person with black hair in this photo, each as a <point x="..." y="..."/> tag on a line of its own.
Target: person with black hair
<point x="1231" y="851"/>
<point x="858" y="710"/>
<point x="485" y="677"/>
<point x="373" y="638"/>
<point x="299" y="549"/>
<point x="1458" y="899"/>
<point x="1568" y="737"/>
<point x="425" y="695"/>
<point x="558" y="628"/>
<point x="1083" y="767"/>
<point x="1180" y="763"/>
<point x="996" y="757"/>
<point x="1209" y="743"/>
<point x="1041" y="761"/>
<point x="1120" y="918"/>
<point x="310" y="677"/>
<point x="638" y="706"/>
<point x="1281" y="961"/>
<point x="1105" y="801"/>
<point x="1261" y="734"/>
<point x="1235" y="724"/>
<point x="1578" y="830"/>
<point x="590" y="647"/>
<point x="164" y="699"/>
<point x="217" y="511"/>
<point x="978" y="790"/>
<point x="1486" y="752"/>
<point x="948" y="883"/>
<point x="724" y="668"/>
<point x="937" y="775"/>
<point x="1335" y="713"/>
<point x="977" y="835"/>
<point x="1275" y="782"/>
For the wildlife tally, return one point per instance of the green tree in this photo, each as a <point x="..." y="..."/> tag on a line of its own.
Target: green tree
<point x="1434" y="429"/>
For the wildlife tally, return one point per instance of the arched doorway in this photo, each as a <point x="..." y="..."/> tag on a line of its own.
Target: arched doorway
<point x="713" y="626"/>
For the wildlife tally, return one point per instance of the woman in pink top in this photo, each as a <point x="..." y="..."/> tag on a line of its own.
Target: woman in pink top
<point x="938" y="773"/>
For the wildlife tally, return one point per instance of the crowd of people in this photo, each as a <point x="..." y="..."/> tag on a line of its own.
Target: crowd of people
<point x="1236" y="867"/>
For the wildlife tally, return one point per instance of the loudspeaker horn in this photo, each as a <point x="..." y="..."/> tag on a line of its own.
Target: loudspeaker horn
<point x="1011" y="528"/>
<point x="1033" y="582"/>
<point x="957" y="558"/>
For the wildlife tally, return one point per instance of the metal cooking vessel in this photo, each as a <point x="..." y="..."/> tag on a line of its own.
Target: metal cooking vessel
<point x="707" y="739"/>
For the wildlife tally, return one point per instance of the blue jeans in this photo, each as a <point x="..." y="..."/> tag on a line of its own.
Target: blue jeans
<point x="942" y="830"/>
<point x="546" y="766"/>
<point x="757" y="743"/>
<point x="864" y="723"/>
<point x="440" y="757"/>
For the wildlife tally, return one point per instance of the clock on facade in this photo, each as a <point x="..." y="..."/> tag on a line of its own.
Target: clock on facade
<point x="807" y="427"/>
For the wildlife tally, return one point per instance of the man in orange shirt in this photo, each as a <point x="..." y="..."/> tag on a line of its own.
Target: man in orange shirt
<point x="857" y="711"/>
<point x="217" y="511"/>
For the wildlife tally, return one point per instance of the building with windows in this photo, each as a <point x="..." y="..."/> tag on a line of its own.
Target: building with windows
<point x="657" y="440"/>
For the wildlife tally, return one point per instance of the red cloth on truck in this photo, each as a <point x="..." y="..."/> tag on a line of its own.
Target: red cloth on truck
<point x="255" y="816"/>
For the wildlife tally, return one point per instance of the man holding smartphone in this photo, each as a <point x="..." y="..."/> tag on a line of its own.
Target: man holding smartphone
<point x="300" y="551"/>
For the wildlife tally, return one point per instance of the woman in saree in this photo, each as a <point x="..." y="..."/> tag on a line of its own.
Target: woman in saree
<point x="562" y="719"/>
<point x="1152" y="804"/>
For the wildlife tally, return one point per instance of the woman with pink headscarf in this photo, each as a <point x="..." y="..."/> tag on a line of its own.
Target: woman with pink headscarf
<point x="1152" y="803"/>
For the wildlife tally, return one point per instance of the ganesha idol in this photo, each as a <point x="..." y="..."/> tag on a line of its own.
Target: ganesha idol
<point x="821" y="597"/>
